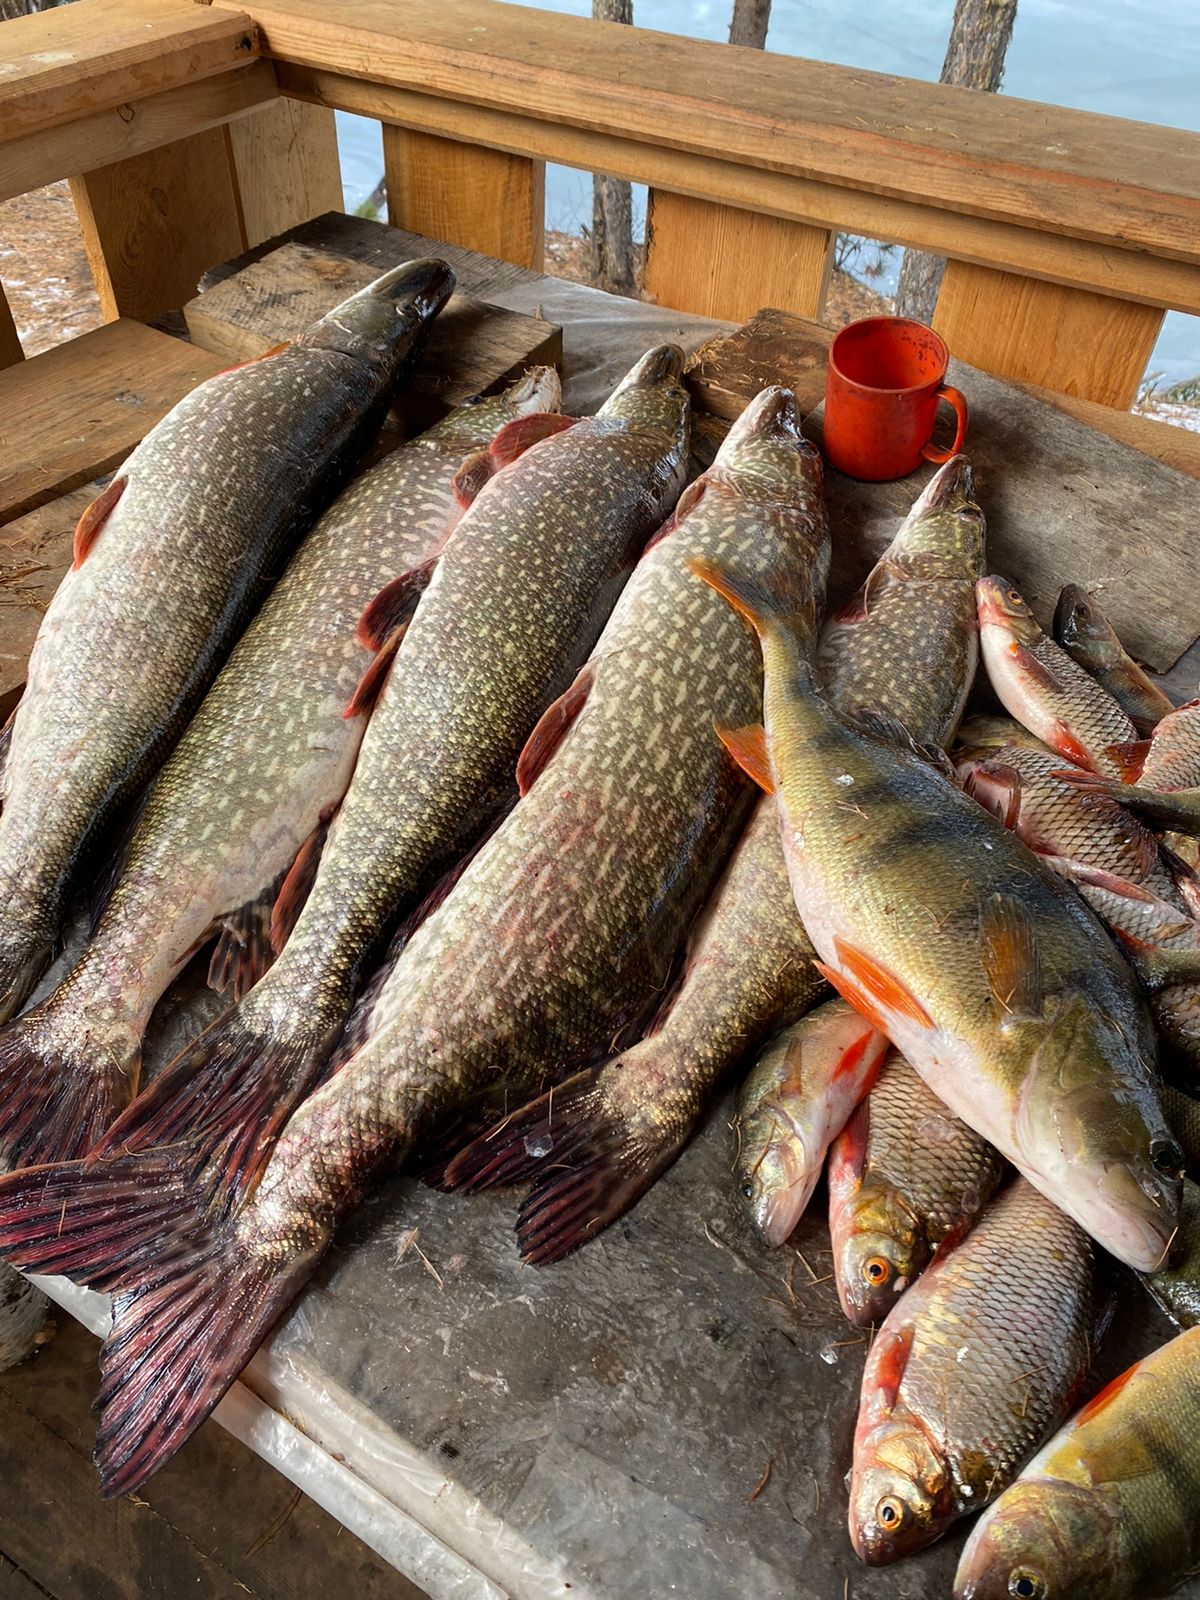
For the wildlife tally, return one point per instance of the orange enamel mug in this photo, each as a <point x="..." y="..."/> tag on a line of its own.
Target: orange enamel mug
<point x="882" y="389"/>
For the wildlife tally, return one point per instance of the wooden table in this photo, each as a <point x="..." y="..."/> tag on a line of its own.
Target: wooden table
<point x="597" y="1430"/>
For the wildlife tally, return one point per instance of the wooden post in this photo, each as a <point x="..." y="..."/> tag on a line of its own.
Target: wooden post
<point x="10" y="344"/>
<point x="285" y="158"/>
<point x="720" y="261"/>
<point x="467" y="195"/>
<point x="1090" y="345"/>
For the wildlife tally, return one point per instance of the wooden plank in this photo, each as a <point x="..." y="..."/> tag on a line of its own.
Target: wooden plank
<point x="1151" y="280"/>
<point x="35" y="552"/>
<point x="37" y="159"/>
<point x="472" y="348"/>
<point x="1175" y="447"/>
<point x="14" y="1585"/>
<point x="10" y="342"/>
<point x="1117" y="182"/>
<point x="153" y="223"/>
<point x="285" y="158"/>
<point x="76" y="411"/>
<point x="720" y="261"/>
<point x="466" y="194"/>
<point x="1064" y="504"/>
<point x="1089" y="345"/>
<point x="73" y="61"/>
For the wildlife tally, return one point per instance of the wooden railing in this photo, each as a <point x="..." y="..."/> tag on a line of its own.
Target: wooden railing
<point x="193" y="131"/>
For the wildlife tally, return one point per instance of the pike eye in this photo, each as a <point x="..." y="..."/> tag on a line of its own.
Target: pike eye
<point x="877" y="1271"/>
<point x="748" y="1190"/>
<point x="1167" y="1158"/>
<point x="889" y="1513"/>
<point x="1025" y="1584"/>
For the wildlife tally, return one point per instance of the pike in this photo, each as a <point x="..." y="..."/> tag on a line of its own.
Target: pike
<point x="559" y="933"/>
<point x="984" y="969"/>
<point x="169" y="563"/>
<point x="909" y="639"/>
<point x="241" y="804"/>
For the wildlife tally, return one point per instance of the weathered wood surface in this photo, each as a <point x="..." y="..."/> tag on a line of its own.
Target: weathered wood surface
<point x="76" y="411"/>
<point x="285" y="159"/>
<point x="35" y="552"/>
<point x="1064" y="503"/>
<point x="10" y="342"/>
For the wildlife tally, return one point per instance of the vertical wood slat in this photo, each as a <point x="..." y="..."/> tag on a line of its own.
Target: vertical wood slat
<point x="719" y="261"/>
<point x="1093" y="346"/>
<point x="466" y="194"/>
<point x="10" y="343"/>
<point x="285" y="159"/>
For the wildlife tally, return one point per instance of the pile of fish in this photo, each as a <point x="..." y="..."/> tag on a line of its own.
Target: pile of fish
<point x="536" y="798"/>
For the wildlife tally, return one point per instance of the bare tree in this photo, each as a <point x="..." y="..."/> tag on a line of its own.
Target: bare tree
<point x="979" y="37"/>
<point x="612" y="198"/>
<point x="749" y="23"/>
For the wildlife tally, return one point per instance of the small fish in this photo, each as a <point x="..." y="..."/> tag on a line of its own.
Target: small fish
<point x="794" y="1102"/>
<point x="974" y="1369"/>
<point x="1088" y="637"/>
<point x="1107" y="1511"/>
<point x="1176" y="1286"/>
<point x="1172" y="758"/>
<point x="1047" y="691"/>
<point x="905" y="1175"/>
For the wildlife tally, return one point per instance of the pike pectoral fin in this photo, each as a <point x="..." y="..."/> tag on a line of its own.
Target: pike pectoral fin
<point x="393" y="606"/>
<point x="370" y="685"/>
<point x="684" y="506"/>
<point x="91" y="523"/>
<point x="472" y="477"/>
<point x="1008" y="953"/>
<point x="552" y="728"/>
<point x="748" y="747"/>
<point x="521" y="433"/>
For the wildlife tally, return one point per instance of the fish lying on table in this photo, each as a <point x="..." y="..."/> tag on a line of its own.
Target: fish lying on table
<point x="560" y="931"/>
<point x="908" y="638"/>
<point x="1086" y="634"/>
<point x="169" y="563"/>
<point x="246" y="793"/>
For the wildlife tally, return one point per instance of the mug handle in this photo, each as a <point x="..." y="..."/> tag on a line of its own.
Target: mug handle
<point x="958" y="400"/>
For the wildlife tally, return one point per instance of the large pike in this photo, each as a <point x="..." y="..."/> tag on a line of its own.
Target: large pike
<point x="245" y="793"/>
<point x="560" y="932"/>
<point x="908" y="642"/>
<point x="169" y="563"/>
<point x="985" y="970"/>
<point x="1107" y="1511"/>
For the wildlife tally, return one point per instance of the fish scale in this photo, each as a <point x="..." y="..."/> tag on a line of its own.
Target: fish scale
<point x="267" y="755"/>
<point x="970" y="1372"/>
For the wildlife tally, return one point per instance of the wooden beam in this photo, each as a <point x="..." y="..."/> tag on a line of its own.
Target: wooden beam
<point x="1089" y="345"/>
<point x="1173" y="446"/>
<point x="1124" y="185"/>
<point x="10" y="341"/>
<point x="285" y="159"/>
<point x="37" y="159"/>
<point x="719" y="261"/>
<point x="73" y="61"/>
<point x="1151" y="280"/>
<point x="466" y="194"/>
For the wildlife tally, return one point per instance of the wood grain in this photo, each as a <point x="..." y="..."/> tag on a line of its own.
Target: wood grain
<point x="1149" y="279"/>
<point x="285" y="160"/>
<point x="1089" y="345"/>
<point x="466" y="194"/>
<point x="720" y="261"/>
<point x="10" y="342"/>
<point x="153" y="223"/>
<point x="1116" y="182"/>
<point x="35" y="552"/>
<point x="70" y="62"/>
<point x="76" y="411"/>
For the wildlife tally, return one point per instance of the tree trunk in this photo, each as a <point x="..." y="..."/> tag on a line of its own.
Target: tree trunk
<point x="979" y="37"/>
<point x="749" y="23"/>
<point x="612" y="198"/>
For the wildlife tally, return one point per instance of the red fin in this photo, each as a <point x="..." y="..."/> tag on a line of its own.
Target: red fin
<point x="296" y="886"/>
<point x="748" y="747"/>
<point x="250" y="361"/>
<point x="472" y="477"/>
<point x="54" y="1106"/>
<point x="552" y="728"/>
<point x="853" y="995"/>
<point x="1130" y="758"/>
<point x="243" y="950"/>
<point x="370" y="685"/>
<point x="852" y="1056"/>
<point x="881" y="986"/>
<point x="1109" y="1393"/>
<point x="394" y="605"/>
<point x="90" y="524"/>
<point x="1066" y="744"/>
<point x="687" y="503"/>
<point x="889" y="1361"/>
<point x="521" y="433"/>
<point x="1029" y="664"/>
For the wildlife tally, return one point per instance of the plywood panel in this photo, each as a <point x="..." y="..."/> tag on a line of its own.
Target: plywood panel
<point x="1089" y="345"/>
<point x="720" y="261"/>
<point x="285" y="158"/>
<point x="466" y="194"/>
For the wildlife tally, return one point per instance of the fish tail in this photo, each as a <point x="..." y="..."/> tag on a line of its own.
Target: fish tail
<point x="63" y="1080"/>
<point x="781" y="610"/>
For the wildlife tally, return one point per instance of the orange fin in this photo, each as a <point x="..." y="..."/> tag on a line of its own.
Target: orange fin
<point x="889" y="1360"/>
<point x="1130" y="757"/>
<point x="727" y="588"/>
<point x="852" y="1056"/>
<point x="275" y="350"/>
<point x="748" y="747"/>
<point x="1109" y="1393"/>
<point x="881" y="986"/>
<point x="1009" y="956"/>
<point x="296" y="886"/>
<point x="521" y="433"/>
<point x="472" y="478"/>
<point x="370" y="685"/>
<point x="90" y="524"/>
<point x="393" y="606"/>
<point x="684" y="506"/>
<point x="851" y="993"/>
<point x="1066" y="744"/>
<point x="552" y="728"/>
